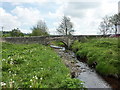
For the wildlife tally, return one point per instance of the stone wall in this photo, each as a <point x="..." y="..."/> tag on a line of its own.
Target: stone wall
<point x="25" y="40"/>
<point x="43" y="39"/>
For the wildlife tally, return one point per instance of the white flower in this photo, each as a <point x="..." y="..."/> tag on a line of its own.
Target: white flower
<point x="9" y="71"/>
<point x="30" y="79"/>
<point x="36" y="77"/>
<point x="3" y="84"/>
<point x="41" y="78"/>
<point x="8" y="57"/>
<point x="3" y="59"/>
<point x="11" y="62"/>
<point x="30" y="86"/>
<point x="11" y="59"/>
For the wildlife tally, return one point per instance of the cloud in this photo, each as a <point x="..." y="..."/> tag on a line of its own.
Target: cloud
<point x="24" y="1"/>
<point x="8" y="21"/>
<point x="85" y="14"/>
<point x="27" y="16"/>
<point x="20" y="17"/>
<point x="25" y="30"/>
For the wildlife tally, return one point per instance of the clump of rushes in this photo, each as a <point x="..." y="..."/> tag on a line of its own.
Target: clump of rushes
<point x="103" y="52"/>
<point x="34" y="66"/>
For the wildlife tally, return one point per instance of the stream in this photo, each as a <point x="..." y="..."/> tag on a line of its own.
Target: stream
<point x="89" y="76"/>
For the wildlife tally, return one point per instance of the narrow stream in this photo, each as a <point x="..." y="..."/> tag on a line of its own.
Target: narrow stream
<point x="90" y="77"/>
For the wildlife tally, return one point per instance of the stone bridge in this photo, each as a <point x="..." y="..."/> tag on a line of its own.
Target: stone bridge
<point x="46" y="39"/>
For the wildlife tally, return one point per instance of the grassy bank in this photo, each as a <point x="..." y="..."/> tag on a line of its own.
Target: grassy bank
<point x="34" y="66"/>
<point x="103" y="51"/>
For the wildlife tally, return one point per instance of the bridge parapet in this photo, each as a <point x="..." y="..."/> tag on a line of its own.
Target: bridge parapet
<point x="44" y="39"/>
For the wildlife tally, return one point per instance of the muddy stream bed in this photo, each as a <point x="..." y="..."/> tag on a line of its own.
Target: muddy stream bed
<point x="83" y="72"/>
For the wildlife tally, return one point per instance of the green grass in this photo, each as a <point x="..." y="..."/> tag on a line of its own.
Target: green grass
<point x="34" y="66"/>
<point x="104" y="51"/>
<point x="57" y="43"/>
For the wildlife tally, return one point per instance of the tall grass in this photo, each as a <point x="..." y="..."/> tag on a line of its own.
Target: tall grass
<point x="103" y="51"/>
<point x="34" y="66"/>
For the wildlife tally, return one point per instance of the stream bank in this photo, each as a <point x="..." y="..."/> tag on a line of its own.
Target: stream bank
<point x="81" y="70"/>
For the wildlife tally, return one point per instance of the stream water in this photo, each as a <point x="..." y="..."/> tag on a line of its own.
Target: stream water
<point x="90" y="77"/>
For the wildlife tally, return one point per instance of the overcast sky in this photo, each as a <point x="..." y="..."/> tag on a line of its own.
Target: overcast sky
<point x="85" y="14"/>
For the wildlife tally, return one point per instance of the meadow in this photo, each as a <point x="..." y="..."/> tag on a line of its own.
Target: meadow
<point x="104" y="52"/>
<point x="34" y="66"/>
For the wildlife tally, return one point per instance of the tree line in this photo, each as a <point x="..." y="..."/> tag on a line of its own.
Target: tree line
<point x="108" y="25"/>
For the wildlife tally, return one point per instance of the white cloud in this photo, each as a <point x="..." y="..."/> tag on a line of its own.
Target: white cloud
<point x="24" y="1"/>
<point x="8" y="21"/>
<point x="27" y="16"/>
<point x="20" y="17"/>
<point x="25" y="30"/>
<point x="85" y="14"/>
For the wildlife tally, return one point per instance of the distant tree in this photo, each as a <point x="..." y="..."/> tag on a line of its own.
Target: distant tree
<point x="66" y="26"/>
<point x="105" y="26"/>
<point x="6" y="33"/>
<point x="40" y="29"/>
<point x="16" y="33"/>
<point x="114" y="20"/>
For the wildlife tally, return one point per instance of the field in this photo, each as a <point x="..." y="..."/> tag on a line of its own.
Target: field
<point x="34" y="66"/>
<point x="104" y="52"/>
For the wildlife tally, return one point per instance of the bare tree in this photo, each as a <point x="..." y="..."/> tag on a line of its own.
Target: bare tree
<point x="105" y="26"/>
<point x="114" y="20"/>
<point x="66" y="26"/>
